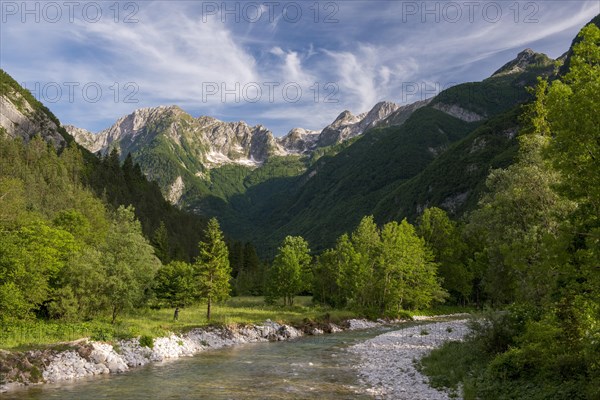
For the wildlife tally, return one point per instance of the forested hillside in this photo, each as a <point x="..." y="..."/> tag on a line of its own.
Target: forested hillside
<point x="440" y="156"/>
<point x="63" y="252"/>
<point x="117" y="183"/>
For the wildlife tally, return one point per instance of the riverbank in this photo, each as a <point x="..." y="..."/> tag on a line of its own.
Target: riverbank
<point x="85" y="358"/>
<point x="40" y="334"/>
<point x="388" y="360"/>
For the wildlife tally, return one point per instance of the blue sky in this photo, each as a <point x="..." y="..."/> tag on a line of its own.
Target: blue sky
<point x="278" y="63"/>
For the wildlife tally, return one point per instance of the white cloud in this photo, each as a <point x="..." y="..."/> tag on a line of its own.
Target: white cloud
<point x="277" y="51"/>
<point x="368" y="75"/>
<point x="369" y="54"/>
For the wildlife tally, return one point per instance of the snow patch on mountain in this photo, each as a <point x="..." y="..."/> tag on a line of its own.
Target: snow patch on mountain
<point x="215" y="143"/>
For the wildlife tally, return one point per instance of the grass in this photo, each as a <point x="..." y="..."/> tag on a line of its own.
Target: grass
<point x="454" y="363"/>
<point x="151" y="323"/>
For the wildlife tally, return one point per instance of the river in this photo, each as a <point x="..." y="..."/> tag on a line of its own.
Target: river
<point x="307" y="368"/>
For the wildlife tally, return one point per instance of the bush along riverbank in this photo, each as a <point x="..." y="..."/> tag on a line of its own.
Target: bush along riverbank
<point x="85" y="358"/>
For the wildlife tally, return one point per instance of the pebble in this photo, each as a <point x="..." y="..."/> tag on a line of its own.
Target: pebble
<point x="387" y="361"/>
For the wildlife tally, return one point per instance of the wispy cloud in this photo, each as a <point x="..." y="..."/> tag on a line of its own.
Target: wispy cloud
<point x="368" y="50"/>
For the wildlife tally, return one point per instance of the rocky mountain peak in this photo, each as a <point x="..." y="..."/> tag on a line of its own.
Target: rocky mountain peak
<point x="347" y="125"/>
<point x="345" y="118"/>
<point x="299" y="140"/>
<point x="214" y="142"/>
<point x="524" y="61"/>
<point x="379" y="112"/>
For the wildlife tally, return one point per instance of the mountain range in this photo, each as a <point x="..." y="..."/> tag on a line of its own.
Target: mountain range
<point x="392" y="161"/>
<point x="232" y="142"/>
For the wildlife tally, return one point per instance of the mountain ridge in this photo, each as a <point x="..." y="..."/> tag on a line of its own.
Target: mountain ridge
<point x="257" y="142"/>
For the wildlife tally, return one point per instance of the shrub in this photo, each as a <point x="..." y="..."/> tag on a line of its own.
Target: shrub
<point x="102" y="334"/>
<point x="147" y="341"/>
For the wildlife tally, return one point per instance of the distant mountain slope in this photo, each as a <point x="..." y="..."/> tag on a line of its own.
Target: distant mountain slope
<point x="391" y="161"/>
<point x="204" y="160"/>
<point x="439" y="156"/>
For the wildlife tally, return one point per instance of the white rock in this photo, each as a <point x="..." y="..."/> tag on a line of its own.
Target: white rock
<point x="354" y="324"/>
<point x="387" y="360"/>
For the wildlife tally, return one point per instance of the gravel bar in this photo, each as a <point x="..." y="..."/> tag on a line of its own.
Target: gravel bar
<point x="387" y="362"/>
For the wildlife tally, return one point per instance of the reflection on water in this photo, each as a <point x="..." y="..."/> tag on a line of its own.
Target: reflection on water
<point x="308" y="368"/>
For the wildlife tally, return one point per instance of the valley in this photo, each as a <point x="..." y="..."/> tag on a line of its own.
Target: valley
<point x="450" y="244"/>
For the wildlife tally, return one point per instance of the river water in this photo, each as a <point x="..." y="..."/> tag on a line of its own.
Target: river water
<point x="313" y="367"/>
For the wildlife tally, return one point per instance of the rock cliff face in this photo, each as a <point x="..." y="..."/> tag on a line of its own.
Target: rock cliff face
<point x="212" y="141"/>
<point x="299" y="141"/>
<point x="347" y="126"/>
<point x="20" y="118"/>
<point x="458" y="112"/>
<point x="130" y="130"/>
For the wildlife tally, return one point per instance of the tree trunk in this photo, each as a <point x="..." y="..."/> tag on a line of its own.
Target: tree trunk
<point x="115" y="311"/>
<point x="208" y="310"/>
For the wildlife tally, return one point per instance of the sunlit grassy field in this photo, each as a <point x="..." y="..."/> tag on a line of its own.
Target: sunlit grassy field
<point x="160" y="322"/>
<point x="152" y="322"/>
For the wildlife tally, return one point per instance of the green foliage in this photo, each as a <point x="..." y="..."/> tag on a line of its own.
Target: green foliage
<point x="130" y="264"/>
<point x="574" y="149"/>
<point x="539" y="226"/>
<point x="406" y="271"/>
<point x="250" y="277"/>
<point x="160" y="241"/>
<point x="63" y="254"/>
<point x="290" y="272"/>
<point x="517" y="220"/>
<point x="126" y="185"/>
<point x="443" y="237"/>
<point x="175" y="285"/>
<point x="378" y="271"/>
<point x="211" y="268"/>
<point x="147" y="341"/>
<point x="452" y="364"/>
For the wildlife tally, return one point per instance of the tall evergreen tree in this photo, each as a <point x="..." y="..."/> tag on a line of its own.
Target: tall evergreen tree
<point x="212" y="269"/>
<point x="160" y="241"/>
<point x="175" y="285"/>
